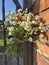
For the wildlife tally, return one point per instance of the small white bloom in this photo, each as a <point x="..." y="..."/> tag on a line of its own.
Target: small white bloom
<point x="37" y="17"/>
<point x="41" y="24"/>
<point x="19" y="10"/>
<point x="30" y="14"/>
<point x="41" y="36"/>
<point x="42" y="31"/>
<point x="26" y="9"/>
<point x="11" y="28"/>
<point x="14" y="22"/>
<point x="23" y="24"/>
<point x="28" y="28"/>
<point x="10" y="33"/>
<point x="30" y="39"/>
<point x="10" y="22"/>
<point x="33" y="21"/>
<point x="28" y="18"/>
<point x="40" y="28"/>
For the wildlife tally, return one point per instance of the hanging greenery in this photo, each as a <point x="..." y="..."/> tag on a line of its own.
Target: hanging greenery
<point x="25" y="26"/>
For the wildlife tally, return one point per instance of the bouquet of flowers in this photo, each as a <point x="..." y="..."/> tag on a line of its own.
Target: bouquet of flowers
<point x="25" y="26"/>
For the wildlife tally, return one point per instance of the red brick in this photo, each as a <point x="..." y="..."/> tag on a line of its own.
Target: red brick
<point x="43" y="47"/>
<point x="45" y="57"/>
<point x="42" y="5"/>
<point x="41" y="61"/>
<point x="45" y="17"/>
<point x="47" y="34"/>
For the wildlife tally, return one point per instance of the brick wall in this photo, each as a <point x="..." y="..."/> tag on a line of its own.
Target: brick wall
<point x="40" y="5"/>
<point x="40" y="54"/>
<point x="41" y="51"/>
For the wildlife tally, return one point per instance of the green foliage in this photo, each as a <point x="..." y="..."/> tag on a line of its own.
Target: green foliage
<point x="19" y="32"/>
